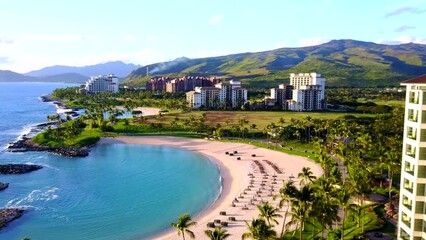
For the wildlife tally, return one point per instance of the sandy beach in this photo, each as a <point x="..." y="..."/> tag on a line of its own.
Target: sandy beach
<point x="146" y="111"/>
<point x="254" y="178"/>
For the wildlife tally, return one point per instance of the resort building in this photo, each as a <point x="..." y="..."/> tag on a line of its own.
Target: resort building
<point x="281" y="94"/>
<point x="306" y="98"/>
<point x="183" y="84"/>
<point x="305" y="93"/>
<point x="106" y="83"/>
<point x="222" y="95"/>
<point x="412" y="200"/>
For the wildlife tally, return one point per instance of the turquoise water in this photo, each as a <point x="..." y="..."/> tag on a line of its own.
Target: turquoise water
<point x="119" y="192"/>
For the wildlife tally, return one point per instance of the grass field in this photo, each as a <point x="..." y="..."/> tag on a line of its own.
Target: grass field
<point x="260" y="118"/>
<point x="393" y="103"/>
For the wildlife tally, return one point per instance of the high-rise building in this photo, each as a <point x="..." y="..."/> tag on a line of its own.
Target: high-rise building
<point x="281" y="94"/>
<point x="305" y="93"/>
<point x="412" y="199"/>
<point x="106" y="83"/>
<point x="221" y="95"/>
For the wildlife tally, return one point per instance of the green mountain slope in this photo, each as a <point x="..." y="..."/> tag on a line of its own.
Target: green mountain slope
<point x="342" y="62"/>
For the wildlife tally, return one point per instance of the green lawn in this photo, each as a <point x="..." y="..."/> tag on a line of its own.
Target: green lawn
<point x="260" y="118"/>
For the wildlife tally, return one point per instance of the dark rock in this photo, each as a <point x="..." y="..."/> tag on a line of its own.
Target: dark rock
<point x="46" y="98"/>
<point x="18" y="168"/>
<point x="3" y="186"/>
<point x="8" y="215"/>
<point x="26" y="144"/>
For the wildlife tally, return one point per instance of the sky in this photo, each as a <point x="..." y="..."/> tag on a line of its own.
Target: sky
<point x="37" y="34"/>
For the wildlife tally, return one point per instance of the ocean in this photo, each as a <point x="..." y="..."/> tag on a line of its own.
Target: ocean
<point x="118" y="192"/>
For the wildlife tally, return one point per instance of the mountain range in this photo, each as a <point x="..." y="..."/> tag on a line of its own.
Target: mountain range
<point x="347" y="63"/>
<point x="69" y="74"/>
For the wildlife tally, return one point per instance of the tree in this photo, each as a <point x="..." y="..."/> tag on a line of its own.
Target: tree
<point x="268" y="212"/>
<point x="217" y="234"/>
<point x="258" y="230"/>
<point x="183" y="224"/>
<point x="301" y="206"/>
<point x="287" y="193"/>
<point x="343" y="196"/>
<point x="306" y="176"/>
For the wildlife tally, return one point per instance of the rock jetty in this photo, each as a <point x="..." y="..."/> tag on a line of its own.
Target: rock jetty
<point x="18" y="168"/>
<point x="26" y="144"/>
<point x="7" y="215"/>
<point x="3" y="186"/>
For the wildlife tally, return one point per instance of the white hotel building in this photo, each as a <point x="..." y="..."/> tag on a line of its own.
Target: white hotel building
<point x="231" y="93"/>
<point x="106" y="83"/>
<point x="412" y="200"/>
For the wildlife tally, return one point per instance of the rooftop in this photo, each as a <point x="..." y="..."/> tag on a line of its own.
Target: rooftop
<point x="416" y="80"/>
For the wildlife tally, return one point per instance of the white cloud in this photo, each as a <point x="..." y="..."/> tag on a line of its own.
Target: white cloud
<point x="5" y="40"/>
<point x="56" y="38"/>
<point x="215" y="20"/>
<point x="404" y="10"/>
<point x="402" y="39"/>
<point x="312" y="41"/>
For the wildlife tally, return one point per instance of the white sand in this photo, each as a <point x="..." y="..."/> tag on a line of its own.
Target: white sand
<point x="235" y="179"/>
<point x="146" y="111"/>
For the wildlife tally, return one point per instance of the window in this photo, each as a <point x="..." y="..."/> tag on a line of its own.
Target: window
<point x="410" y="150"/>
<point x="421" y="172"/>
<point x="406" y="219"/>
<point x="420" y="189"/>
<point x="422" y="153"/>
<point x="413" y="97"/>
<point x="408" y="185"/>
<point x="420" y="207"/>
<point x="418" y="225"/>
<point x="412" y="115"/>
<point x="407" y="202"/>
<point x="411" y="133"/>
<point x="409" y="168"/>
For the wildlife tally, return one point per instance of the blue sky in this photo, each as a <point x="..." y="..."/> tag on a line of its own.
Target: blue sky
<point x="36" y="34"/>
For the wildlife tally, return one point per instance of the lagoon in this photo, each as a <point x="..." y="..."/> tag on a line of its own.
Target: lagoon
<point x="119" y="192"/>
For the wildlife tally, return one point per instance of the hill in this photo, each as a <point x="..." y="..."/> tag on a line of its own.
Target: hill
<point x="118" y="68"/>
<point x="9" y="76"/>
<point x="65" y="78"/>
<point x="346" y="63"/>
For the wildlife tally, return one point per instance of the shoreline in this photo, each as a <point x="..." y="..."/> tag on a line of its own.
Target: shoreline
<point x="245" y="182"/>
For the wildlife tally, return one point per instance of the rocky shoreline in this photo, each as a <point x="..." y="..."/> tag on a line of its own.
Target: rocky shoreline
<point x="3" y="186"/>
<point x="18" y="168"/>
<point x="7" y="215"/>
<point x="26" y="144"/>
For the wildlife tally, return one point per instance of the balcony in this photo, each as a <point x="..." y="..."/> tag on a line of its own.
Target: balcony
<point x="414" y="100"/>
<point x="412" y="118"/>
<point x="410" y="171"/>
<point x="408" y="185"/>
<point x="412" y="136"/>
<point x="411" y="154"/>
<point x="408" y="205"/>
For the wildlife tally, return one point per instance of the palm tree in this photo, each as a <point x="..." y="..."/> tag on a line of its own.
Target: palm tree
<point x="306" y="176"/>
<point x="287" y="193"/>
<point x="183" y="224"/>
<point x="217" y="234"/>
<point x="258" y="230"/>
<point x="301" y="207"/>
<point x="268" y="212"/>
<point x="343" y="196"/>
